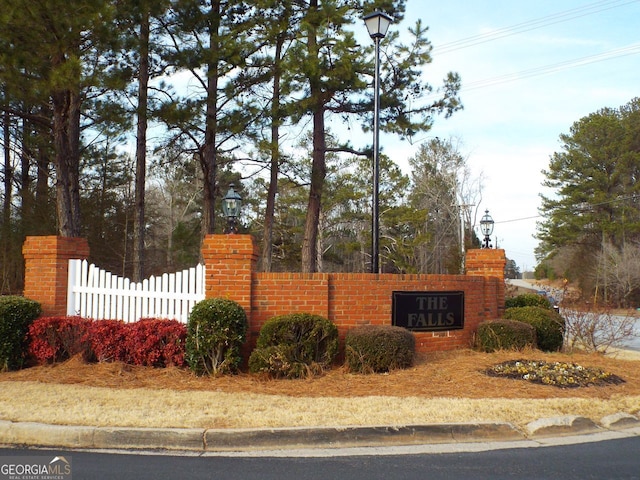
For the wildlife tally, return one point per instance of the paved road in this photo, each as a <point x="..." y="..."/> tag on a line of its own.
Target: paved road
<point x="612" y="459"/>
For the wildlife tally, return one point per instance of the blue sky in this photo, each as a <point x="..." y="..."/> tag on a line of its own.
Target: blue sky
<point x="529" y="71"/>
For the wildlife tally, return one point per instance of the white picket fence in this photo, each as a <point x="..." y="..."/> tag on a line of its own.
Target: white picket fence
<point x="96" y="293"/>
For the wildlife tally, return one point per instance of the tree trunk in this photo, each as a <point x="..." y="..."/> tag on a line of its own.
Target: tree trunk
<point x="141" y="152"/>
<point x="35" y="207"/>
<point x="41" y="206"/>
<point x="267" y="240"/>
<point x="318" y="174"/>
<point x="208" y="158"/>
<point x="6" y="206"/>
<point x="318" y="164"/>
<point x="66" y="139"/>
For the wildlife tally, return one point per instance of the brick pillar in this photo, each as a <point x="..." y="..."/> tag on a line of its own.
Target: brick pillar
<point x="489" y="263"/>
<point x="230" y="261"/>
<point x="46" y="260"/>
<point x="486" y="262"/>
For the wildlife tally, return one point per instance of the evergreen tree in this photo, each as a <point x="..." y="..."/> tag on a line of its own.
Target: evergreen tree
<point x="332" y="79"/>
<point x="56" y="54"/>
<point x="141" y="25"/>
<point x="211" y="40"/>
<point x="277" y="30"/>
<point x="596" y="201"/>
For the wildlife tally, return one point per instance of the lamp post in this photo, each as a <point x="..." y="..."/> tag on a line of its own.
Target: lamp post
<point x="486" y="225"/>
<point x="377" y="24"/>
<point x="231" y="204"/>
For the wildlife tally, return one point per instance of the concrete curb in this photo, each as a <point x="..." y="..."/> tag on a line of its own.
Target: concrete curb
<point x="343" y="437"/>
<point x="559" y="426"/>
<point x="233" y="440"/>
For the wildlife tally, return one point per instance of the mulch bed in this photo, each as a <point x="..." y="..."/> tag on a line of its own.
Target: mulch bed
<point x="456" y="374"/>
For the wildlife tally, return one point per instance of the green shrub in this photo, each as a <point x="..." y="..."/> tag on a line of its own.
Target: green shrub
<point x="16" y="314"/>
<point x="505" y="335"/>
<point x="549" y="325"/>
<point x="379" y="348"/>
<point x="216" y="330"/>
<point x="528" y="300"/>
<point x="295" y="346"/>
<point x="276" y="362"/>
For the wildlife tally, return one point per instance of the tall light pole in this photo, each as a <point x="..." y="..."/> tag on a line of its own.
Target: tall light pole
<point x="377" y="24"/>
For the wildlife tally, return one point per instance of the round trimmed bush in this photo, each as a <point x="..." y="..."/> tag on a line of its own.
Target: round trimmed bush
<point x="549" y="325"/>
<point x="216" y="330"/>
<point x="16" y="314"/>
<point x="379" y="348"/>
<point x="505" y="334"/>
<point x="294" y="346"/>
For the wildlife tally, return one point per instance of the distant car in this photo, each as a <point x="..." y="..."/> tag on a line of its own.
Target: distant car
<point x="552" y="301"/>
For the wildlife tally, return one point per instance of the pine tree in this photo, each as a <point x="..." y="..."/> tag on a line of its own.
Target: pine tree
<point x="56" y="54"/>
<point x="594" y="214"/>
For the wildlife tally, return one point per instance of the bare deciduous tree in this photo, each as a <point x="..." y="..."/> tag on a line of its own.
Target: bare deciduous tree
<point x="597" y="331"/>
<point x="443" y="187"/>
<point x="619" y="272"/>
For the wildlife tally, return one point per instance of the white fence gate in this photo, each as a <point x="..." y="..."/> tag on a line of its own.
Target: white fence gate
<point x="96" y="293"/>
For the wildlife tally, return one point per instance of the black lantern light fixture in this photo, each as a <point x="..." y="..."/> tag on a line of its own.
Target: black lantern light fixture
<point x="377" y="24"/>
<point x="486" y="225"/>
<point x="231" y="204"/>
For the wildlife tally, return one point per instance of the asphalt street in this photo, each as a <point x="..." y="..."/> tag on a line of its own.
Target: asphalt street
<point x="610" y="459"/>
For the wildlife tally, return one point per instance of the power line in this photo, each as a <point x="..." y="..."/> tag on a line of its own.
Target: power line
<point x="536" y="23"/>
<point x="552" y="68"/>
<point x="621" y="198"/>
<point x="518" y="219"/>
<point x="529" y="25"/>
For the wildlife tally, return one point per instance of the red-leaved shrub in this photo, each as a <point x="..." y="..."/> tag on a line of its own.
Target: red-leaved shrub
<point x="55" y="339"/>
<point x="108" y="340"/>
<point x="148" y="342"/>
<point x="156" y="342"/>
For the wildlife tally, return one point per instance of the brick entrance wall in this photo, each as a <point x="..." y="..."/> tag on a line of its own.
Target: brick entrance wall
<point x="350" y="299"/>
<point x="347" y="299"/>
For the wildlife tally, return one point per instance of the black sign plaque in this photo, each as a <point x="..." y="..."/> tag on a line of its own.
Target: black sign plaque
<point x="428" y="311"/>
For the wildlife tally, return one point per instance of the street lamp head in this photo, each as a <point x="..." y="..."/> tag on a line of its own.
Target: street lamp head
<point x="486" y="225"/>
<point x="377" y="23"/>
<point x="231" y="204"/>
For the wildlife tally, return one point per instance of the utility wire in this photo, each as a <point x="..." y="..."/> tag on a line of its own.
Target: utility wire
<point x="536" y="23"/>
<point x="518" y="219"/>
<point x="552" y="68"/>
<point x="621" y="198"/>
<point x="540" y="22"/>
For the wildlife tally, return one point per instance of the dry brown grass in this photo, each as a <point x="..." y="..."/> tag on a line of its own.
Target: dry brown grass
<point x="441" y="387"/>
